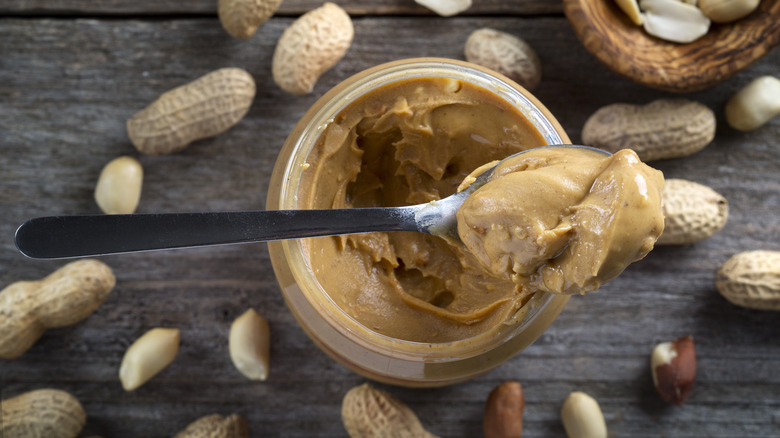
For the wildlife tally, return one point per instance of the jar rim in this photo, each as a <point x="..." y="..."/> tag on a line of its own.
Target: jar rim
<point x="305" y="136"/>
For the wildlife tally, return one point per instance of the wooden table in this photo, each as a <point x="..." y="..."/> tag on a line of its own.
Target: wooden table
<point x="73" y="71"/>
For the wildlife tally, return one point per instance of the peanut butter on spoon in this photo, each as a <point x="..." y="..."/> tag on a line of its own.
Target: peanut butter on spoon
<point x="562" y="219"/>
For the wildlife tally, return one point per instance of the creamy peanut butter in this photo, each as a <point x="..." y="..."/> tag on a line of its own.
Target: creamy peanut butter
<point x="563" y="220"/>
<point x="412" y="142"/>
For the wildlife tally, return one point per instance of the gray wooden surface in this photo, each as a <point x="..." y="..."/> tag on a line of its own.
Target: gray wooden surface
<point x="73" y="71"/>
<point x="178" y="7"/>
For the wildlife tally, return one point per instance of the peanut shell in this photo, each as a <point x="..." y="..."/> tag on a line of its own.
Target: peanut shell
<point x="692" y="212"/>
<point x="216" y="426"/>
<point x="64" y="297"/>
<point x="368" y="412"/>
<point x="314" y="43"/>
<point x="48" y="413"/>
<point x="751" y="279"/>
<point x="506" y="54"/>
<point x="203" y="108"/>
<point x="241" y="18"/>
<point x="665" y="128"/>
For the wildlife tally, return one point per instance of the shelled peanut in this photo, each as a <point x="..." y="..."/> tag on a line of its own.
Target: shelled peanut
<point x="726" y="11"/>
<point x="582" y="418"/>
<point x="65" y="297"/>
<point x="684" y="21"/>
<point x="249" y="344"/>
<point x="673" y="367"/>
<point x="147" y="356"/>
<point x="755" y="104"/>
<point x="445" y="8"/>
<point x="118" y="189"/>
<point x="503" y="416"/>
<point x="674" y="20"/>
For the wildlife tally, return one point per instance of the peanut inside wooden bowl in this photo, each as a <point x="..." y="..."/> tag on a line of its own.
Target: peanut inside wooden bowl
<point x="608" y="34"/>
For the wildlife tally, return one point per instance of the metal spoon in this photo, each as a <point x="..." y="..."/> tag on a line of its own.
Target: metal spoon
<point x="55" y="237"/>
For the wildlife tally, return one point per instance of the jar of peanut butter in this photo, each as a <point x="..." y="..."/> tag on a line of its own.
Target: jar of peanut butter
<point x="406" y="308"/>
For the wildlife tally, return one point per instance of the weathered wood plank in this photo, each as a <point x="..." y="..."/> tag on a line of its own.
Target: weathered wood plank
<point x="66" y="90"/>
<point x="288" y="7"/>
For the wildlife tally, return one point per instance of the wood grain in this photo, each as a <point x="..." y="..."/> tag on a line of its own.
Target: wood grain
<point x="67" y="86"/>
<point x="288" y="7"/>
<point x="726" y="49"/>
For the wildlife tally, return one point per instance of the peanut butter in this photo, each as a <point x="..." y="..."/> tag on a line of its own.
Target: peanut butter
<point x="415" y="141"/>
<point x="563" y="220"/>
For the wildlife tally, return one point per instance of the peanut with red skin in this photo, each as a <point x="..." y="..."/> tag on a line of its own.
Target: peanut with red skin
<point x="503" y="417"/>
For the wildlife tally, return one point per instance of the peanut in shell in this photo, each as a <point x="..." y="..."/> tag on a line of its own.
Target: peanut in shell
<point x="200" y="109"/>
<point x="751" y="279"/>
<point x="49" y="413"/>
<point x="367" y="412"/>
<point x="665" y="128"/>
<point x="692" y="212"/>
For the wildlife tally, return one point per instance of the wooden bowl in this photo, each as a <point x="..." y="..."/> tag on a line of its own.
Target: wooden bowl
<point x="626" y="48"/>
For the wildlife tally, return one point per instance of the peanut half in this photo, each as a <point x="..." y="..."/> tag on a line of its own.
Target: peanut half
<point x="692" y="212"/>
<point x="674" y="20"/>
<point x="506" y="54"/>
<point x="314" y="43"/>
<point x="65" y="297"/>
<point x="665" y="128"/>
<point x="631" y="8"/>
<point x="216" y="426"/>
<point x="582" y="417"/>
<point x="503" y="417"/>
<point x="673" y="366"/>
<point x="148" y="355"/>
<point x="203" y="108"/>
<point x="445" y="8"/>
<point x="751" y="279"/>
<point x="118" y="189"/>
<point x="755" y="104"/>
<point x="241" y="18"/>
<point x="249" y="345"/>
<point x="725" y="11"/>
<point x="49" y="413"/>
<point x="368" y="412"/>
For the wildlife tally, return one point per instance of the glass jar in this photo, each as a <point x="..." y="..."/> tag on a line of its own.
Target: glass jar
<point x="362" y="350"/>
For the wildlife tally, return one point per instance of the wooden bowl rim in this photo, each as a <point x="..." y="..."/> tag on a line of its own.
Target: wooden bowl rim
<point x="671" y="66"/>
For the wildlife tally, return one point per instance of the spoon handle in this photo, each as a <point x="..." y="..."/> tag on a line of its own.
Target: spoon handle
<point x="55" y="237"/>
